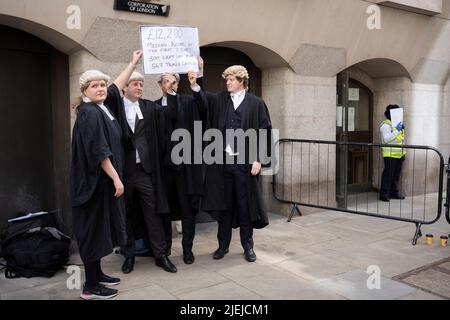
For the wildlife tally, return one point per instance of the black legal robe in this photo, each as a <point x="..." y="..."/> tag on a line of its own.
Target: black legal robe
<point x="153" y="115"/>
<point x="255" y="115"/>
<point x="187" y="113"/>
<point x="99" y="217"/>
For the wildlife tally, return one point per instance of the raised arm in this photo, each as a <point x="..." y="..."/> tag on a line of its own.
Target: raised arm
<point x="168" y="82"/>
<point x="122" y="79"/>
<point x="196" y="82"/>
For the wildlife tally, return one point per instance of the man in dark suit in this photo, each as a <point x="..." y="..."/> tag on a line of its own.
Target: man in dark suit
<point x="232" y="188"/>
<point x="140" y="121"/>
<point x="184" y="182"/>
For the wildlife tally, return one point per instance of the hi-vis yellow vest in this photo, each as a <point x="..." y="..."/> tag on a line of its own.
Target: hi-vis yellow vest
<point x="390" y="152"/>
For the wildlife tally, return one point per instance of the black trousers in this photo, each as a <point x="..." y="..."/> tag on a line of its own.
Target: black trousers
<point x="139" y="186"/>
<point x="236" y="197"/>
<point x="391" y="176"/>
<point x="180" y="205"/>
<point x="93" y="271"/>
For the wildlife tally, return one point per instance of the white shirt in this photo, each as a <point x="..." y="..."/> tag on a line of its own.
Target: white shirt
<point x="237" y="98"/>
<point x="132" y="110"/>
<point x="388" y="133"/>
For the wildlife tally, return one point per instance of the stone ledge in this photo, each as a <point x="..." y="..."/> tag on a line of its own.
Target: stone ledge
<point x="427" y="7"/>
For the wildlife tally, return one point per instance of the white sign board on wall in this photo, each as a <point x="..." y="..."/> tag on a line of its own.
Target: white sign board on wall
<point x="169" y="49"/>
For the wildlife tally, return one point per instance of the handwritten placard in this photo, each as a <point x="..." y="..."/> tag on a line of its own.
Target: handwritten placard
<point x="169" y="49"/>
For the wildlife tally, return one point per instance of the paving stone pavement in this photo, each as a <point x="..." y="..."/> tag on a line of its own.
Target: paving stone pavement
<point x="321" y="256"/>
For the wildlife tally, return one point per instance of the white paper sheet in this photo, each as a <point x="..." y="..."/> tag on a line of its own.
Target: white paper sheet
<point x="396" y="116"/>
<point x="169" y="49"/>
<point x="351" y="119"/>
<point x="353" y="94"/>
<point x="28" y="216"/>
<point x="339" y="117"/>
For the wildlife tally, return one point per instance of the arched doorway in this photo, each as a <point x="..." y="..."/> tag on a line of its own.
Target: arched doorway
<point x="357" y="119"/>
<point x="34" y="126"/>
<point x="216" y="60"/>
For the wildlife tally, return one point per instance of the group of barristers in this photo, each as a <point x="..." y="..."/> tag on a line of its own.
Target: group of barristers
<point x="122" y="173"/>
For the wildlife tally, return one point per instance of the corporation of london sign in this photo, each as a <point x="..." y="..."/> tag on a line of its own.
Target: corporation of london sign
<point x="142" y="7"/>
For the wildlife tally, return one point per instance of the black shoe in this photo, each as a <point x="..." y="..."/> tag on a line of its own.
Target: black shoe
<point x="128" y="265"/>
<point x="108" y="281"/>
<point x="220" y="253"/>
<point x="250" y="255"/>
<point x="188" y="257"/>
<point x="98" y="292"/>
<point x="166" y="264"/>
<point x="384" y="199"/>
<point x="397" y="197"/>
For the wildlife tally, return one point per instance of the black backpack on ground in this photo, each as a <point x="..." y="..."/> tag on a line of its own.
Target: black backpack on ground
<point x="34" y="247"/>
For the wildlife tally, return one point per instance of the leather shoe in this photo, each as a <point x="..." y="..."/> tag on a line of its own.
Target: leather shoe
<point x="220" y="253"/>
<point x="397" y="197"/>
<point x="128" y="265"/>
<point x="384" y="199"/>
<point x="250" y="255"/>
<point x="188" y="257"/>
<point x="166" y="264"/>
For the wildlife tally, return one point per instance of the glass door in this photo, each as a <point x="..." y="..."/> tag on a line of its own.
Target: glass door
<point x="354" y="116"/>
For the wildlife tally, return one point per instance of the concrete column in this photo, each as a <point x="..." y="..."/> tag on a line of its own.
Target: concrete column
<point x="302" y="107"/>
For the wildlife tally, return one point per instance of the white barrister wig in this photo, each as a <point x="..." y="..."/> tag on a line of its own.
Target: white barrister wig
<point x="236" y="71"/>
<point x="92" y="75"/>
<point x="136" y="76"/>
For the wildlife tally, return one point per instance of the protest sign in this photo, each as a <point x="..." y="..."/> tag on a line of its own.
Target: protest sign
<point x="169" y="49"/>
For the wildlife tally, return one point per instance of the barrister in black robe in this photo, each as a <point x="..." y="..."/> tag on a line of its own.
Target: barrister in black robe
<point x="232" y="190"/>
<point x="144" y="192"/>
<point x="183" y="182"/>
<point x="95" y="179"/>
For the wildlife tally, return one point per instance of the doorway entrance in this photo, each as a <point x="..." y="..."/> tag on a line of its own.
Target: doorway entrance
<point x="354" y="123"/>
<point x="34" y="126"/>
<point x="216" y="60"/>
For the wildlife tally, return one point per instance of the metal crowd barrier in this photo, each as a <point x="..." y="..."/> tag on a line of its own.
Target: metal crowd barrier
<point x="308" y="176"/>
<point x="447" y="199"/>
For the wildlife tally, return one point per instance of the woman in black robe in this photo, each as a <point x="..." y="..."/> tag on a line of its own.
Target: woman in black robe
<point x="96" y="181"/>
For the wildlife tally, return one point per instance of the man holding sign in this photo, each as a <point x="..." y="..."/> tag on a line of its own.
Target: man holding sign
<point x="140" y="122"/>
<point x="392" y="133"/>
<point x="184" y="181"/>
<point x="231" y="186"/>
